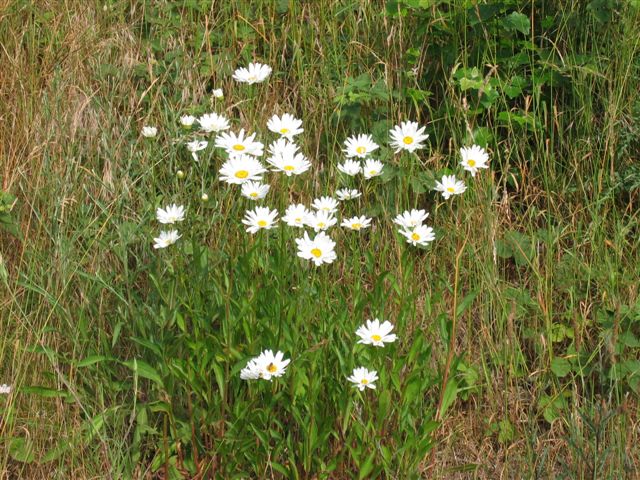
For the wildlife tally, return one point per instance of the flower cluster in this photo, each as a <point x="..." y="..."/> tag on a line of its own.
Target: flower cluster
<point x="243" y="168"/>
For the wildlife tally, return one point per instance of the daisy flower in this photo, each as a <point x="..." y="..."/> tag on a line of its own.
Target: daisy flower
<point x="407" y="136"/>
<point x="260" y="218"/>
<point x="187" y="120"/>
<point x="319" y="250"/>
<point x="196" y="146"/>
<point x="350" y="167"/>
<point x="325" y="204"/>
<point x="212" y="122"/>
<point x="450" y="186"/>
<point x="372" y="168"/>
<point x="356" y="223"/>
<point x="296" y="215"/>
<point x="420" y="235"/>
<point x="149" y="132"/>
<point x="254" y="73"/>
<point x="376" y="333"/>
<point x="218" y="93"/>
<point x="285" y="158"/>
<point x="347" y="194"/>
<point x="5" y="389"/>
<point x="287" y="125"/>
<point x="410" y="219"/>
<point x="321" y="220"/>
<point x="363" y="378"/>
<point x="165" y="239"/>
<point x="254" y="190"/>
<point x="359" y="146"/>
<point x="171" y="214"/>
<point x="240" y="144"/>
<point x="474" y="158"/>
<point x="266" y="366"/>
<point x="241" y="169"/>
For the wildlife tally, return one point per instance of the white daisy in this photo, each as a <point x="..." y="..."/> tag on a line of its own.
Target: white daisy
<point x="238" y="170"/>
<point x="363" y="378"/>
<point x="266" y="366"/>
<point x="187" y="120"/>
<point x="218" y="93"/>
<point x="196" y="146"/>
<point x="5" y="389"/>
<point x="236" y="145"/>
<point x="319" y="250"/>
<point x="251" y="371"/>
<point x="254" y="73"/>
<point x="350" y="167"/>
<point x="376" y="333"/>
<point x="287" y="125"/>
<point x="260" y="218"/>
<point x="321" y="220"/>
<point x="347" y="194"/>
<point x="359" y="146"/>
<point x="325" y="204"/>
<point x="372" y="168"/>
<point x="170" y="214"/>
<point x="450" y="186"/>
<point x="212" y="122"/>
<point x="420" y="235"/>
<point x="407" y="136"/>
<point x="254" y="190"/>
<point x="165" y="239"/>
<point x="474" y="158"/>
<point x="356" y="223"/>
<point x="296" y="215"/>
<point x="410" y="219"/>
<point x="149" y="132"/>
<point x="286" y="159"/>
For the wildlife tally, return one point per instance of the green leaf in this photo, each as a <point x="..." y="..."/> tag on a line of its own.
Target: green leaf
<point x="560" y="366"/>
<point x="21" y="450"/>
<point x="450" y="394"/>
<point x="144" y="370"/>
<point x="466" y="302"/>
<point x="517" y="21"/>
<point x="91" y="360"/>
<point x="45" y="392"/>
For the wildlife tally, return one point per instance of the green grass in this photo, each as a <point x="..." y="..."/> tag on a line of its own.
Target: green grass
<point x="518" y="327"/>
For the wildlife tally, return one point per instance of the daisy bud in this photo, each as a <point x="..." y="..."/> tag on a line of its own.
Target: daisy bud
<point x="180" y="174"/>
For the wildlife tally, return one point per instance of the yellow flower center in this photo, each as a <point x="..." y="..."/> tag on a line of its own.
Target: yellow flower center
<point x="316" y="252"/>
<point x="253" y="194"/>
<point x="262" y="223"/>
<point x="238" y="147"/>
<point x="451" y="190"/>
<point x="407" y="140"/>
<point x="376" y="338"/>
<point x="297" y="220"/>
<point x="415" y="237"/>
<point x="361" y="149"/>
<point x="471" y="163"/>
<point x="356" y="226"/>
<point x="373" y="172"/>
<point x="271" y="368"/>
<point x="242" y="174"/>
<point x="364" y="381"/>
<point x="289" y="168"/>
<point x="321" y="224"/>
<point x="284" y="131"/>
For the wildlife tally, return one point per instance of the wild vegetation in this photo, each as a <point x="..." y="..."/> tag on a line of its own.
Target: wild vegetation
<point x="517" y="327"/>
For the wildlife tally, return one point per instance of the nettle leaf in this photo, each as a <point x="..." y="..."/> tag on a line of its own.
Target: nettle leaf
<point x="517" y="21"/>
